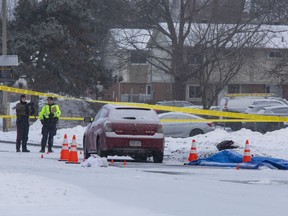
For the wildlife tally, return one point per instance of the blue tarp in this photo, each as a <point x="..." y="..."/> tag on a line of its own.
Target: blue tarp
<point x="230" y="158"/>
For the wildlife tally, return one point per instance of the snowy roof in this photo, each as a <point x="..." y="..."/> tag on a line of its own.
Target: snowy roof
<point x="264" y="36"/>
<point x="131" y="39"/>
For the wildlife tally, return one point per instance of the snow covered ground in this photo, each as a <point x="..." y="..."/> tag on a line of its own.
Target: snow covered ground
<point x="31" y="185"/>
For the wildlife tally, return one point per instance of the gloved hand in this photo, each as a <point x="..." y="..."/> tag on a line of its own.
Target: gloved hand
<point x="51" y="115"/>
<point x="42" y="122"/>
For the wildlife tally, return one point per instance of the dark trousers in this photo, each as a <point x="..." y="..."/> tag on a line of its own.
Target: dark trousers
<point x="22" y="134"/>
<point x="48" y="132"/>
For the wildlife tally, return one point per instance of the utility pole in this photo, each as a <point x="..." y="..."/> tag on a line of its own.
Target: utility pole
<point x="5" y="102"/>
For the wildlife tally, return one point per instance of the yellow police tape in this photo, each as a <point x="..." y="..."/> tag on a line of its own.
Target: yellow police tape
<point x="36" y="117"/>
<point x="164" y="120"/>
<point x="239" y="117"/>
<point x="249" y="95"/>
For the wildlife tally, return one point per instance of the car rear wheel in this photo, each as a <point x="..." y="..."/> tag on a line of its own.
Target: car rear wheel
<point x="158" y="157"/>
<point x="86" y="154"/>
<point x="235" y="126"/>
<point x="196" y="132"/>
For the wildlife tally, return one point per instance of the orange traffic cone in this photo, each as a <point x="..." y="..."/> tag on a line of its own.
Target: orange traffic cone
<point x="42" y="156"/>
<point x="64" y="154"/>
<point x="124" y="163"/>
<point x="193" y="152"/>
<point x="247" y="155"/>
<point x="112" y="161"/>
<point x="73" y="155"/>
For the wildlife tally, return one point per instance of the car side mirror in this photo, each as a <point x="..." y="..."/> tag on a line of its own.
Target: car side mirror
<point x="88" y="119"/>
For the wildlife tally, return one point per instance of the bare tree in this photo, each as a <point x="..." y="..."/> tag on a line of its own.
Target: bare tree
<point x="209" y="53"/>
<point x="275" y="11"/>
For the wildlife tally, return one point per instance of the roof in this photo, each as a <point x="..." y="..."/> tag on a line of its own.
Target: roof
<point x="264" y="36"/>
<point x="131" y="39"/>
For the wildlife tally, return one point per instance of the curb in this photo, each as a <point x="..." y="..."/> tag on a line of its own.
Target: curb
<point x="35" y="144"/>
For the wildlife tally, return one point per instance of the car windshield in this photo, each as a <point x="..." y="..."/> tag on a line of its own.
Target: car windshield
<point x="178" y="116"/>
<point x="132" y="113"/>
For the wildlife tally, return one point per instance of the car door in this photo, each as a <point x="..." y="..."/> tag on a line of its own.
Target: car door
<point x="96" y="128"/>
<point x="183" y="129"/>
<point x="175" y="129"/>
<point x="168" y="127"/>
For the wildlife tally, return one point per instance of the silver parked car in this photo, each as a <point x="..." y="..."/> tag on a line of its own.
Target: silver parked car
<point x="272" y="111"/>
<point x="257" y="105"/>
<point x="184" y="129"/>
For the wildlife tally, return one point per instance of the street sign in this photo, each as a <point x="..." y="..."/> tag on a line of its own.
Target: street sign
<point x="8" y="60"/>
<point x="6" y="75"/>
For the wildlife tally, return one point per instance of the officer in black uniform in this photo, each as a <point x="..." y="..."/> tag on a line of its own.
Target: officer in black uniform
<point x="23" y="111"/>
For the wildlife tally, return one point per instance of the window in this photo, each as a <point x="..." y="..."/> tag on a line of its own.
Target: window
<point x="197" y="59"/>
<point x="148" y="89"/>
<point x="193" y="57"/>
<point x="194" y="91"/>
<point x="234" y="88"/>
<point x="280" y="111"/>
<point x="275" y="54"/>
<point x="101" y="114"/>
<point x="138" y="57"/>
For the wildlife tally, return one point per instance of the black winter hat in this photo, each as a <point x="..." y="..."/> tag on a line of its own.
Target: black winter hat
<point x="22" y="96"/>
<point x="50" y="98"/>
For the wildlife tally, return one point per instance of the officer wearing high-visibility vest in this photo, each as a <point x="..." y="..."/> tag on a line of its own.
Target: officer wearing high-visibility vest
<point x="49" y="116"/>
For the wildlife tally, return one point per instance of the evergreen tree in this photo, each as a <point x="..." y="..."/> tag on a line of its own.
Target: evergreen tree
<point x="58" y="45"/>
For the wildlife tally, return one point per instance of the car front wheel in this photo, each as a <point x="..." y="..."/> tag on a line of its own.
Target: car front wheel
<point x="99" y="149"/>
<point x="86" y="154"/>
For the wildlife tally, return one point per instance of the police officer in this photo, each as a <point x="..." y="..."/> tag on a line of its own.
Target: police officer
<point x="23" y="111"/>
<point x="49" y="116"/>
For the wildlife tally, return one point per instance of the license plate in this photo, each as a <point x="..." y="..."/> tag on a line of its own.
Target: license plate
<point x="135" y="143"/>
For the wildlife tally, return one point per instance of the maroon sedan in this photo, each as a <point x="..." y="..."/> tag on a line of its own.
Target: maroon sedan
<point x="124" y="130"/>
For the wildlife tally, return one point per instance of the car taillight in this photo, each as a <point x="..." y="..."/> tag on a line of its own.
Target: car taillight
<point x="159" y="128"/>
<point x="226" y="105"/>
<point x="210" y="124"/>
<point x="108" y="127"/>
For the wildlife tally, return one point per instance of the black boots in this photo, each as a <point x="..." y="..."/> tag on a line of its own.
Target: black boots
<point x="42" y="150"/>
<point x="25" y="150"/>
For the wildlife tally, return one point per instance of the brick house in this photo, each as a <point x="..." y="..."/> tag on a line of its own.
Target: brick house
<point x="127" y="54"/>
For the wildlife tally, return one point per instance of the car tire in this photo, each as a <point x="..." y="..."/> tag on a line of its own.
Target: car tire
<point x="85" y="151"/>
<point x="158" y="157"/>
<point x="195" y="132"/>
<point x="99" y="149"/>
<point x="235" y="126"/>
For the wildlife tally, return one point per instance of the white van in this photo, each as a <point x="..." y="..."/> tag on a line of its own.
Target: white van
<point x="240" y="103"/>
